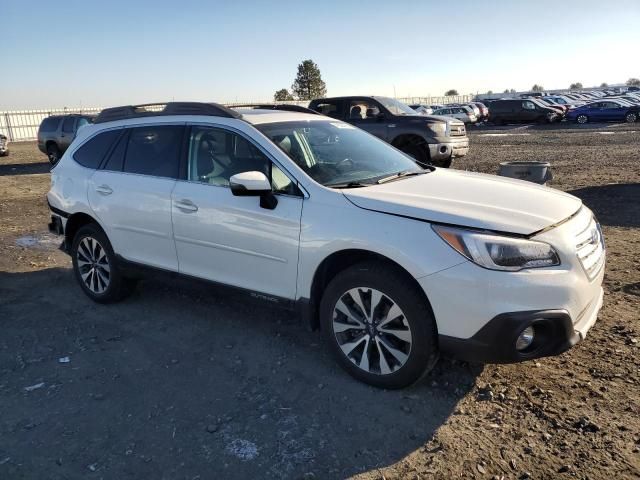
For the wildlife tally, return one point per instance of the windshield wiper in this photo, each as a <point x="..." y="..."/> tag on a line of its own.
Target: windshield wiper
<point x="399" y="175"/>
<point x="348" y="185"/>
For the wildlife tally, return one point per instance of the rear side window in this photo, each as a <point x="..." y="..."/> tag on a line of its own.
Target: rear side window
<point x="67" y="125"/>
<point x="154" y="150"/>
<point x="49" y="124"/>
<point x="90" y="154"/>
<point x="329" y="109"/>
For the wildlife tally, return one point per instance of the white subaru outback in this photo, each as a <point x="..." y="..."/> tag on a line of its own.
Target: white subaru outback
<point x="394" y="262"/>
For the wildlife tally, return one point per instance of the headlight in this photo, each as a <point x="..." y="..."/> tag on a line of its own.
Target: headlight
<point x="438" y="128"/>
<point x="498" y="252"/>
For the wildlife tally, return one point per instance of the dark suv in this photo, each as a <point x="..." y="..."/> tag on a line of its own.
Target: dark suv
<point x="522" y="111"/>
<point x="426" y="138"/>
<point x="57" y="132"/>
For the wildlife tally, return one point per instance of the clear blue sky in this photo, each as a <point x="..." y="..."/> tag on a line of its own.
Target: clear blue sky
<point x="71" y="53"/>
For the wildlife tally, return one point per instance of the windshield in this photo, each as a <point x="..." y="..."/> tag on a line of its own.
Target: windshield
<point x="336" y="154"/>
<point x="395" y="107"/>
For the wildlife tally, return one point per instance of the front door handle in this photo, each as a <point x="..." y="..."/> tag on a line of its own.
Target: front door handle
<point x="104" y="190"/>
<point x="186" y="206"/>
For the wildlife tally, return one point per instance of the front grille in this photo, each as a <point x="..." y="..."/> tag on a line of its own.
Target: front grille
<point x="590" y="248"/>
<point x="457" y="130"/>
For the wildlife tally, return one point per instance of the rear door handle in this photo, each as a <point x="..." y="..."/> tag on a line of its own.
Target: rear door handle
<point x="104" y="190"/>
<point x="186" y="206"/>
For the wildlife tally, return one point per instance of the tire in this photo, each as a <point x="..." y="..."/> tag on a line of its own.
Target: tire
<point x="53" y="153"/>
<point x="95" y="267"/>
<point x="582" y="119"/>
<point x="420" y="153"/>
<point x="631" y="117"/>
<point x="351" y="333"/>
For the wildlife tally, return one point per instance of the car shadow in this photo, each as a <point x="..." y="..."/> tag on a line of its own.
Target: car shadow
<point x="615" y="204"/>
<point x="24" y="168"/>
<point x="184" y="378"/>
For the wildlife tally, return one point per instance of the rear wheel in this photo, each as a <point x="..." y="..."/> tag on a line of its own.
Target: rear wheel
<point x="379" y="325"/>
<point x="53" y="153"/>
<point x="582" y="119"/>
<point x="631" y="117"/>
<point x="95" y="266"/>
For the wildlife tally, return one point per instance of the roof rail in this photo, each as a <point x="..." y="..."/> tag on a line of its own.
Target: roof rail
<point x="280" y="106"/>
<point x="164" y="109"/>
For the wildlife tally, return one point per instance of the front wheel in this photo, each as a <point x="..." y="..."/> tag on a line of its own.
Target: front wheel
<point x="631" y="117"/>
<point x="582" y="119"/>
<point x="379" y="325"/>
<point x="95" y="267"/>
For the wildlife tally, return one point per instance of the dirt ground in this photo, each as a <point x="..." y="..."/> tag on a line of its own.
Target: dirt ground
<point x="182" y="381"/>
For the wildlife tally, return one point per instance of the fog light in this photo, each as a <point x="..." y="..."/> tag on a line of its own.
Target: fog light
<point x="525" y="339"/>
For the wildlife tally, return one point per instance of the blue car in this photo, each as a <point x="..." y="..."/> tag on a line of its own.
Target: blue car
<point x="604" y="111"/>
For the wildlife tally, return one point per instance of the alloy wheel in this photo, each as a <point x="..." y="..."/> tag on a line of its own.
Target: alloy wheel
<point x="582" y="119"/>
<point x="371" y="330"/>
<point x="631" y="117"/>
<point x="93" y="265"/>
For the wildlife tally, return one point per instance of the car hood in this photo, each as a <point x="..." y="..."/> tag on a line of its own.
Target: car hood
<point x="469" y="199"/>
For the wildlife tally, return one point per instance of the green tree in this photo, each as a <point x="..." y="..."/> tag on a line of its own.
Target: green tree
<point x="489" y="92"/>
<point x="282" y="95"/>
<point x="604" y="85"/>
<point x="308" y="84"/>
<point x="513" y="90"/>
<point x="448" y="93"/>
<point x="633" y="82"/>
<point x="575" y="86"/>
<point x="537" y="88"/>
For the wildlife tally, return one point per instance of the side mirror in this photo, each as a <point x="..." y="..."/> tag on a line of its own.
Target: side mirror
<point x="381" y="116"/>
<point x="253" y="184"/>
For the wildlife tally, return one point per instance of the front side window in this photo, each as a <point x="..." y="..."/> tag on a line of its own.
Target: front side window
<point x="90" y="154"/>
<point x="363" y="110"/>
<point x="336" y="154"/>
<point x="528" y="105"/>
<point x="154" y="150"/>
<point x="216" y="154"/>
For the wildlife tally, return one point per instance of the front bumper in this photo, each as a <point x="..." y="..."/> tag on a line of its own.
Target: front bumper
<point x="446" y="150"/>
<point x="555" y="333"/>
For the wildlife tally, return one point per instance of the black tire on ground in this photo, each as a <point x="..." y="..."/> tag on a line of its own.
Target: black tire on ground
<point x="53" y="153"/>
<point x="582" y="119"/>
<point x="419" y="152"/>
<point x="398" y="288"/>
<point x="117" y="286"/>
<point x="631" y="117"/>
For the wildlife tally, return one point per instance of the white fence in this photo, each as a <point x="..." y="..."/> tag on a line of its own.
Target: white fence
<point x="22" y="125"/>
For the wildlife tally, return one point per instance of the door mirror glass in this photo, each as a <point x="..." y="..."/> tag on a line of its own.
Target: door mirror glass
<point x="249" y="184"/>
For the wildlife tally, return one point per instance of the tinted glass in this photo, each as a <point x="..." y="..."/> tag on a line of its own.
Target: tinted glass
<point x="90" y="154"/>
<point x="327" y="108"/>
<point x="115" y="161"/>
<point x="67" y="125"/>
<point x="363" y="110"/>
<point x="49" y="124"/>
<point x="154" y="150"/>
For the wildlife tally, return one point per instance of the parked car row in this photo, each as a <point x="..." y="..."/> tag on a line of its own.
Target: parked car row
<point x="580" y="107"/>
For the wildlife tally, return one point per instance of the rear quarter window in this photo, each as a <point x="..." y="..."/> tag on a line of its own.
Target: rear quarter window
<point x="49" y="124"/>
<point x="92" y="153"/>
